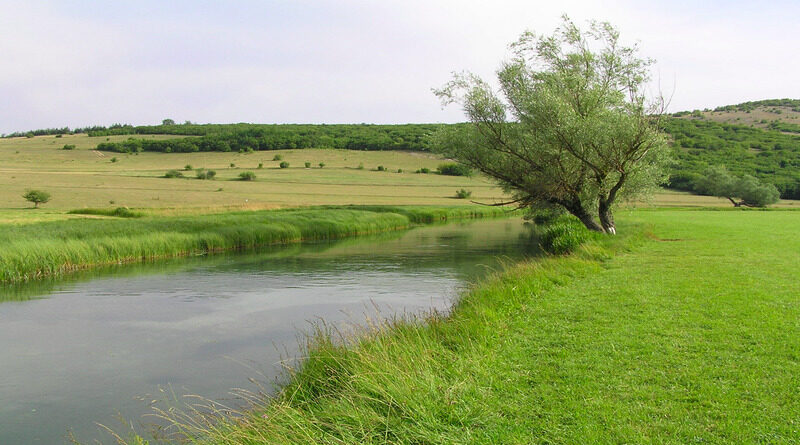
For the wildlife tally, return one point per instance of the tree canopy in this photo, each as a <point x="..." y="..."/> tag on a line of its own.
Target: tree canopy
<point x="37" y="197"/>
<point x="570" y="127"/>
<point x="740" y="191"/>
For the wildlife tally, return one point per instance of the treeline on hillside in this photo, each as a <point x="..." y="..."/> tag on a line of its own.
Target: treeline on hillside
<point x="253" y="137"/>
<point x="770" y="156"/>
<point x="794" y="104"/>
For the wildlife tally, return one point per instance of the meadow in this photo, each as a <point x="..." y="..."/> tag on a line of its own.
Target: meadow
<point x="683" y="330"/>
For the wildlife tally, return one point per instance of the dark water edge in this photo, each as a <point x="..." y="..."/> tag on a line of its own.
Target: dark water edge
<point x="117" y="339"/>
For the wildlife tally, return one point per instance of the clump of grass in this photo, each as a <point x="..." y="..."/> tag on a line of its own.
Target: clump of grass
<point x="173" y="174"/>
<point x="68" y="147"/>
<point x="277" y="158"/>
<point x="247" y="176"/>
<point x="187" y="167"/>
<point x="463" y="194"/>
<point x="564" y="235"/>
<point x="121" y="212"/>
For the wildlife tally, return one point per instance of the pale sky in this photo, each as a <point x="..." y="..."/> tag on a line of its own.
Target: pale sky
<point x="77" y="63"/>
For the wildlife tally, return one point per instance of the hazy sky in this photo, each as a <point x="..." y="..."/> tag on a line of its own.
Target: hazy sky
<point x="78" y="63"/>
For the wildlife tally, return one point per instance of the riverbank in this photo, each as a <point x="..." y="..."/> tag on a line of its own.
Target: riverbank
<point x="52" y="248"/>
<point x="684" y="329"/>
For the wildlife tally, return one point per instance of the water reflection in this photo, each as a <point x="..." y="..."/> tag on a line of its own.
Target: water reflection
<point x="75" y="352"/>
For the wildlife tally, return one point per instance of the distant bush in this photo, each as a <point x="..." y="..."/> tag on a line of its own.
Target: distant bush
<point x="187" y="167"/>
<point x="233" y="165"/>
<point x="59" y="135"/>
<point x="247" y="176"/>
<point x="121" y="212"/>
<point x="277" y="158"/>
<point x="399" y="170"/>
<point x="260" y="165"/>
<point x="114" y="159"/>
<point x="173" y="174"/>
<point x="205" y="174"/>
<point x="68" y="147"/>
<point x="284" y="164"/>
<point x="321" y="165"/>
<point x="308" y="165"/>
<point x="37" y="197"/>
<point x="454" y="169"/>
<point x="381" y="168"/>
<point x="463" y="194"/>
<point x="423" y="170"/>
<point x="360" y="166"/>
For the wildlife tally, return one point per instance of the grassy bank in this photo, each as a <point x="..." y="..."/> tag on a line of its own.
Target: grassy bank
<point x="49" y="248"/>
<point x="686" y="335"/>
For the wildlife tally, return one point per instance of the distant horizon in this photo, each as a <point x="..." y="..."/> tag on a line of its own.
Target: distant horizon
<point x="76" y="64"/>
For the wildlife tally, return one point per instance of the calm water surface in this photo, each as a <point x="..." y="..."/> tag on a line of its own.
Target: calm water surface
<point x="81" y="351"/>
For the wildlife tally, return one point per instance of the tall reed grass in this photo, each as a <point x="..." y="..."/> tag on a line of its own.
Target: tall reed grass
<point x="38" y="250"/>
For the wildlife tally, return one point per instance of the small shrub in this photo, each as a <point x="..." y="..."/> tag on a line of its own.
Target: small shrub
<point x="308" y="165"/>
<point x="187" y="167"/>
<point x="114" y="159"/>
<point x="454" y="169"/>
<point x="59" y="136"/>
<point x="277" y="158"/>
<point x="321" y="165"/>
<point x="205" y="174"/>
<point x="68" y="147"/>
<point x="463" y="194"/>
<point x="260" y="165"/>
<point x="247" y="176"/>
<point x="360" y="166"/>
<point x="399" y="170"/>
<point x="381" y="168"/>
<point x="173" y="174"/>
<point x="424" y="170"/>
<point x="211" y="174"/>
<point x="284" y="164"/>
<point x="233" y="165"/>
<point x="37" y="197"/>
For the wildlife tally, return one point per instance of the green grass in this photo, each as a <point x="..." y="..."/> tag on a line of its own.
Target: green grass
<point x="35" y="250"/>
<point x="687" y="335"/>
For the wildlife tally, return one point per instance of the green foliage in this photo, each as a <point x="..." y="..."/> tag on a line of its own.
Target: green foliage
<point x="173" y="174"/>
<point x="260" y="165"/>
<point x="37" y="197"/>
<point x="277" y="158"/>
<point x="454" y="169"/>
<point x="423" y="170"/>
<point x="399" y="170"/>
<point x="463" y="194"/>
<point x="716" y="181"/>
<point x="233" y="165"/>
<point x="205" y="174"/>
<point x="120" y="212"/>
<point x="114" y="160"/>
<point x="307" y="164"/>
<point x="381" y="168"/>
<point x="360" y="166"/>
<point x="247" y="176"/>
<point x="770" y="155"/>
<point x="68" y="147"/>
<point x="187" y="167"/>
<point x="284" y="164"/>
<point x="321" y="165"/>
<point x="574" y="127"/>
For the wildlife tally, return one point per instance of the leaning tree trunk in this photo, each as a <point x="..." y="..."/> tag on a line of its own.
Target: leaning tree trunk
<point x="576" y="208"/>
<point x="607" y="218"/>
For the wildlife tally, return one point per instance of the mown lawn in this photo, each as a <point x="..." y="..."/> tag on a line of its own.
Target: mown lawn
<point x="689" y="334"/>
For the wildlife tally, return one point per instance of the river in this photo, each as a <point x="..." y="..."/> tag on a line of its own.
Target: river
<point x="80" y="351"/>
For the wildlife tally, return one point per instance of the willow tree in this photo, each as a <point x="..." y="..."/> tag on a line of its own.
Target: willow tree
<point x="571" y="125"/>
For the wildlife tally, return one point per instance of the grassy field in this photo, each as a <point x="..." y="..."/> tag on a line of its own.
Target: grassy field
<point x="685" y="330"/>
<point x="87" y="178"/>
<point x="84" y="178"/>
